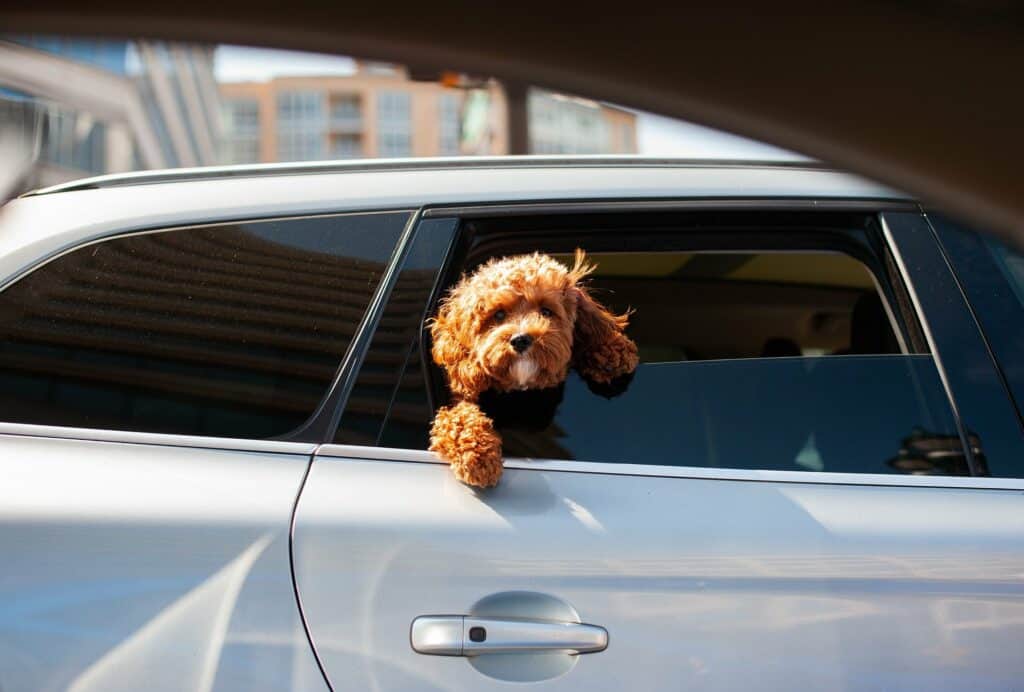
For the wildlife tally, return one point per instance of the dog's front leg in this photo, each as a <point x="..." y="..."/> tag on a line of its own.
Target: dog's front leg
<point x="465" y="437"/>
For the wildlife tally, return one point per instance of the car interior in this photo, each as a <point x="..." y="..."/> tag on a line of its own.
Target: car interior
<point x="719" y="305"/>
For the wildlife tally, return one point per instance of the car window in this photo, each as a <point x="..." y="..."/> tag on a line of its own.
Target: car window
<point x="232" y="330"/>
<point x="992" y="275"/>
<point x="758" y="357"/>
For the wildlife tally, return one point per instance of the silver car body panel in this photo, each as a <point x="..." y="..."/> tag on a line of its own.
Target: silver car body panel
<point x="702" y="583"/>
<point x="415" y="456"/>
<point x="148" y="565"/>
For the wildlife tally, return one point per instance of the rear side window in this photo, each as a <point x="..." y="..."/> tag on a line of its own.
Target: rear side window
<point x="786" y="346"/>
<point x="992" y="275"/>
<point x="232" y="330"/>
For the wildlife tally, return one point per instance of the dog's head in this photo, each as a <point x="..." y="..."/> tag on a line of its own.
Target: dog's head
<point x="520" y="322"/>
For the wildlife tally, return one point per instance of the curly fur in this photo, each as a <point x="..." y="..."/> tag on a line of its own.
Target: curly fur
<point x="527" y="295"/>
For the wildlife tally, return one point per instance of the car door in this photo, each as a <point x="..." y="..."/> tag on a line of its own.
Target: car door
<point x="791" y="493"/>
<point x="154" y="392"/>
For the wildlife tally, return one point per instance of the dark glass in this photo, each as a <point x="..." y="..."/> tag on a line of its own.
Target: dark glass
<point x="408" y="425"/>
<point x="852" y="414"/>
<point x="389" y="379"/>
<point x="231" y="331"/>
<point x="986" y="411"/>
<point x="992" y="275"/>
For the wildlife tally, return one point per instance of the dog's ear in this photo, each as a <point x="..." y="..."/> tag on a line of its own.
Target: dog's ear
<point x="452" y="333"/>
<point x="601" y="350"/>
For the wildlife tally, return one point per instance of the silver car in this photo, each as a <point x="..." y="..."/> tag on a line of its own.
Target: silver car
<point x="216" y="389"/>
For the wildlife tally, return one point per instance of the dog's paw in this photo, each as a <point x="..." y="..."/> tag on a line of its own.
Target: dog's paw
<point x="465" y="437"/>
<point x="612" y="389"/>
<point x="608" y="360"/>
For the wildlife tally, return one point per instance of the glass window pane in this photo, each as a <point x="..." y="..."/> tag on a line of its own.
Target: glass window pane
<point x="390" y="385"/>
<point x="992" y="275"/>
<point x="233" y="330"/>
<point x="860" y="414"/>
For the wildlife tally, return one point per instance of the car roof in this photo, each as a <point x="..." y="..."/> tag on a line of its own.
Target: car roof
<point x="478" y="163"/>
<point x="47" y="222"/>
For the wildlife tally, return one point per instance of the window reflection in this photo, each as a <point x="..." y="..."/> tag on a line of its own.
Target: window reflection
<point x="852" y="414"/>
<point x="233" y="330"/>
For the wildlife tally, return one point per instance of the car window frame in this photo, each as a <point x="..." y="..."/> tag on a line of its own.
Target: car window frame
<point x="887" y="253"/>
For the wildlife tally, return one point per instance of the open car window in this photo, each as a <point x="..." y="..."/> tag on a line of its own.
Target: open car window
<point x="758" y="350"/>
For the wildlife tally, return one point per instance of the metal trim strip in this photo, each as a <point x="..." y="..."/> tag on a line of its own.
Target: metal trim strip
<point x="303" y="449"/>
<point x="922" y="318"/>
<point x="357" y="453"/>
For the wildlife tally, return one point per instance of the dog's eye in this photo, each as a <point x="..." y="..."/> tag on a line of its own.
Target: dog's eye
<point x="500" y="316"/>
<point x="546" y="312"/>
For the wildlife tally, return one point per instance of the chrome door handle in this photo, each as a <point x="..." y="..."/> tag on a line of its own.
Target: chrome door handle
<point x="465" y="635"/>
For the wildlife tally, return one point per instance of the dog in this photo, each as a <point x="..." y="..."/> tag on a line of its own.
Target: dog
<point x="517" y="324"/>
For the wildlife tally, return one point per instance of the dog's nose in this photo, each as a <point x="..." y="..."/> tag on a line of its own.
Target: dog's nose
<point x="521" y="342"/>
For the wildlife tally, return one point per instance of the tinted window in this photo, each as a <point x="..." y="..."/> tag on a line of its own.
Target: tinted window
<point x="992" y="275"/>
<point x="389" y="379"/>
<point x="233" y="330"/>
<point x="861" y="414"/>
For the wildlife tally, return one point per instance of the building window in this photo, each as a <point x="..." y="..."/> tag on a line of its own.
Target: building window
<point x="347" y="147"/>
<point x="300" y="108"/>
<point x="242" y="116"/>
<point x="449" y="124"/>
<point x="300" y="146"/>
<point x="394" y="124"/>
<point x="301" y="126"/>
<point x="346" y="114"/>
<point x="346" y="107"/>
<point x="566" y="125"/>
<point x="241" y="131"/>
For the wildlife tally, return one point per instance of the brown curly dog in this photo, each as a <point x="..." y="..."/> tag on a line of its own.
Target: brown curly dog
<point x="517" y="323"/>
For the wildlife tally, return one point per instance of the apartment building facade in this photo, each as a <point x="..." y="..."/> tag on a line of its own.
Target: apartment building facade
<point x="378" y="111"/>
